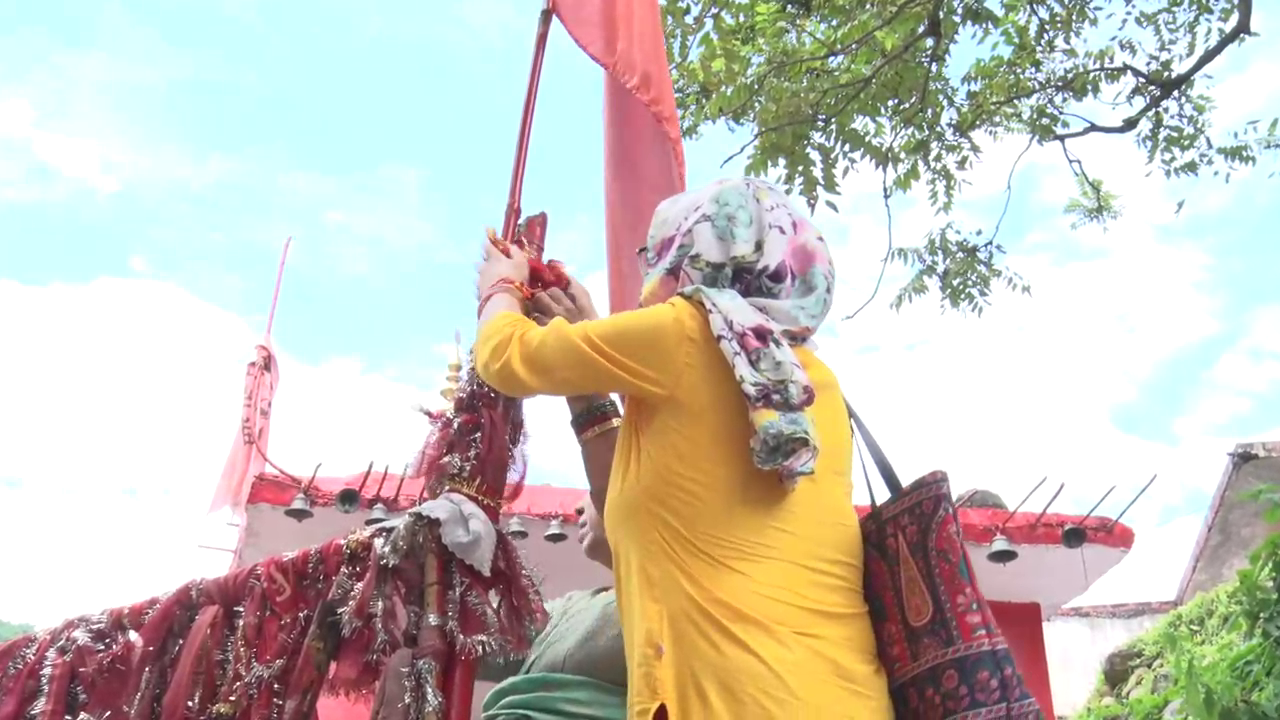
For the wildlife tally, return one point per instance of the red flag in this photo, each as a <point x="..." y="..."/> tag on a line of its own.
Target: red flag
<point x="248" y="453"/>
<point x="248" y="456"/>
<point x="643" y="153"/>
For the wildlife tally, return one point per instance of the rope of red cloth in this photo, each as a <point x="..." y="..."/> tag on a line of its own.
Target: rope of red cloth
<point x="529" y="239"/>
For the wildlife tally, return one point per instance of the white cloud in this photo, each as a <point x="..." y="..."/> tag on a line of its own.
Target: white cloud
<point x="1034" y="386"/>
<point x="139" y="265"/>
<point x="496" y="18"/>
<point x="82" y="115"/>
<point x="1148" y="574"/>
<point x="120" y="401"/>
<point x="77" y="158"/>
<point x="1030" y="388"/>
<point x="1247" y="370"/>
<point x="1241" y="97"/>
<point x="389" y="208"/>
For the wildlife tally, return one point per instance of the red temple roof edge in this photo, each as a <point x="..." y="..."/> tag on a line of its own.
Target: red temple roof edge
<point x="980" y="525"/>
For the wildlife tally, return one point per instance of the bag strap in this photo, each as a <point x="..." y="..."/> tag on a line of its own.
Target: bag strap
<point x="878" y="458"/>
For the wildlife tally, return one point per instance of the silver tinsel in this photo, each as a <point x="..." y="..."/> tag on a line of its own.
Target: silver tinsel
<point x="22" y="659"/>
<point x="380" y="556"/>
<point x="421" y="694"/>
<point x="51" y="656"/>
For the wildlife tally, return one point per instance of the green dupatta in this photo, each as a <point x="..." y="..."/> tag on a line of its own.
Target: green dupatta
<point x="554" y="696"/>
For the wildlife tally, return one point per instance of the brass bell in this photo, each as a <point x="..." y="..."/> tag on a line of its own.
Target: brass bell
<point x="515" y="528"/>
<point x="555" y="532"/>
<point x="377" y="515"/>
<point x="300" y="508"/>
<point x="1001" y="551"/>
<point x="347" y="500"/>
<point x="1074" y="536"/>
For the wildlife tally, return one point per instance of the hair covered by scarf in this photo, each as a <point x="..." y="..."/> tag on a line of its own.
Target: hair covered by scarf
<point x="763" y="273"/>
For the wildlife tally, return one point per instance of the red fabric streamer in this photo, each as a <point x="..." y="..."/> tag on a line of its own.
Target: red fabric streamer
<point x="265" y="642"/>
<point x="530" y="238"/>
<point x="59" y="684"/>
<point x="477" y="449"/>
<point x="197" y="659"/>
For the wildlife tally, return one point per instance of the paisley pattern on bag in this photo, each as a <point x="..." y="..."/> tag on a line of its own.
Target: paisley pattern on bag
<point x="939" y="643"/>
<point x="763" y="272"/>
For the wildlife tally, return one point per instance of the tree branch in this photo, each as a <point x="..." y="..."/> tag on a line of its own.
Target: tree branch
<point x="854" y="88"/>
<point x="1167" y="88"/>
<point x="850" y="47"/>
<point x="888" y="252"/>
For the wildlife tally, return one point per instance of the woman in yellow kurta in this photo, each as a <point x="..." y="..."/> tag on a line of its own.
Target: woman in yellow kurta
<point x="737" y="553"/>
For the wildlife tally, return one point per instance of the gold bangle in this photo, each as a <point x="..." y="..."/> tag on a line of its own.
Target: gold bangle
<point x="599" y="429"/>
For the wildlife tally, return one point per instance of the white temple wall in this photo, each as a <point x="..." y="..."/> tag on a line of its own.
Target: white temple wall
<point x="1076" y="648"/>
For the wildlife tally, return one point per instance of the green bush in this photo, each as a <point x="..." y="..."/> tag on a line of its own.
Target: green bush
<point x="12" y="630"/>
<point x="1215" y="658"/>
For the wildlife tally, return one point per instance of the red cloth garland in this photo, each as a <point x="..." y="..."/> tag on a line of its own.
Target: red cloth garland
<point x="531" y="240"/>
<point x="265" y="641"/>
<point x="477" y="449"/>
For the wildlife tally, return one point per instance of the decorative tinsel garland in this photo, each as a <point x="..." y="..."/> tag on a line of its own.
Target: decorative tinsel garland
<point x="477" y="448"/>
<point x="265" y="641"/>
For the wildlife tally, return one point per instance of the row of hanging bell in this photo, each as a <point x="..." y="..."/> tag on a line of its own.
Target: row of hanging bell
<point x="1002" y="552"/>
<point x="300" y="509"/>
<point x="555" y="530"/>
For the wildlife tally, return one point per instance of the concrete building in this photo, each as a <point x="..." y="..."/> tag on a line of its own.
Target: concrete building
<point x="1233" y="525"/>
<point x="1080" y="638"/>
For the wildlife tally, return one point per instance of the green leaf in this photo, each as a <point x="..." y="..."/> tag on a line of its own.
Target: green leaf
<point x="827" y="87"/>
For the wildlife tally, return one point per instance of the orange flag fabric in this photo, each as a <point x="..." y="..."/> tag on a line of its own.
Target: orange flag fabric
<point x="643" y="151"/>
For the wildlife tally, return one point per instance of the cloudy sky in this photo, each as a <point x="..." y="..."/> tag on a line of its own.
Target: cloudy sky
<point x="155" y="155"/>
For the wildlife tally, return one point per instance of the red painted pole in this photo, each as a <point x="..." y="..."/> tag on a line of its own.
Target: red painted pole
<point x="512" y="217"/>
<point x="460" y="677"/>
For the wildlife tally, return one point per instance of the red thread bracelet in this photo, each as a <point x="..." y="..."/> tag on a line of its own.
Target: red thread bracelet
<point x="515" y="289"/>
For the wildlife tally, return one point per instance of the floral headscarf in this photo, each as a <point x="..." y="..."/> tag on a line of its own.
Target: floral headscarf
<point x="763" y="272"/>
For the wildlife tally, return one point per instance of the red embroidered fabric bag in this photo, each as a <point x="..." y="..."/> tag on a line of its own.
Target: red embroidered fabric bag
<point x="938" y="641"/>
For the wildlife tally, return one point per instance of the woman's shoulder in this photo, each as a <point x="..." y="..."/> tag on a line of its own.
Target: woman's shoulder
<point x="580" y="611"/>
<point x="677" y="309"/>
<point x="821" y="375"/>
<point x="576" y="600"/>
<point x="674" y="319"/>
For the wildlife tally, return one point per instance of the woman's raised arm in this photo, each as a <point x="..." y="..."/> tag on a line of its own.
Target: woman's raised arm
<point x="638" y="353"/>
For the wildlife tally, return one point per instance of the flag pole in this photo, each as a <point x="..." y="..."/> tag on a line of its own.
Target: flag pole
<point x="275" y="296"/>
<point x="460" y="677"/>
<point x="512" y="217"/>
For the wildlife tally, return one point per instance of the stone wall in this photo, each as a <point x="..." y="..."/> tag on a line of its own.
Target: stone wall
<point x="1078" y="642"/>
<point x="1234" y="525"/>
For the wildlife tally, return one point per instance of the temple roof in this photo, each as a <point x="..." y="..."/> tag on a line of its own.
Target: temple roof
<point x="980" y="525"/>
<point x="1044" y="572"/>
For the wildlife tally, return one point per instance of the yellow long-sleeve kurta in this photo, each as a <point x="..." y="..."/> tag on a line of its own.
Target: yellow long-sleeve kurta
<point x="739" y="600"/>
